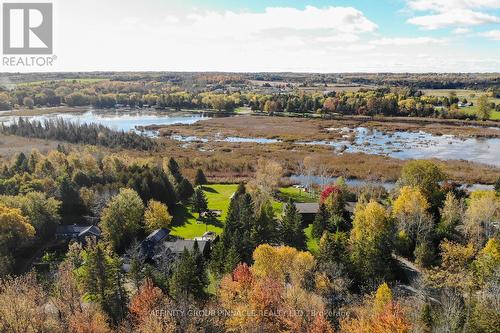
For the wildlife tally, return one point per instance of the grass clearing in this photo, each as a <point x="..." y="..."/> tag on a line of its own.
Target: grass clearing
<point x="296" y="195"/>
<point x="186" y="225"/>
<point x="312" y="243"/>
<point x="470" y="95"/>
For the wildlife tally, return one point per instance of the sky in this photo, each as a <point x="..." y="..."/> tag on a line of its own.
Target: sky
<point x="275" y="36"/>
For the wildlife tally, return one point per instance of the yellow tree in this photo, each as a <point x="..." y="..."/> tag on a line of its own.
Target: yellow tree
<point x="410" y="210"/>
<point x="156" y="216"/>
<point x="15" y="229"/>
<point x="371" y="241"/>
<point x="483" y="107"/>
<point x="482" y="213"/>
<point x="487" y="261"/>
<point x="280" y="263"/>
<point x="383" y="297"/>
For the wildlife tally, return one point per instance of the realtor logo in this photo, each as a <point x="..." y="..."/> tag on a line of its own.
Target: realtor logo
<point x="27" y="28"/>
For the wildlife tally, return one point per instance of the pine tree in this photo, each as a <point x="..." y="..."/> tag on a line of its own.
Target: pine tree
<point x="186" y="282"/>
<point x="199" y="200"/>
<point x="320" y="222"/>
<point x="337" y="223"/>
<point x="175" y="170"/>
<point x="71" y="203"/>
<point x="264" y="228"/>
<point x="184" y="190"/>
<point x="101" y="278"/>
<point x="232" y="260"/>
<point x="200" y="178"/>
<point x="21" y="163"/>
<point x="292" y="233"/>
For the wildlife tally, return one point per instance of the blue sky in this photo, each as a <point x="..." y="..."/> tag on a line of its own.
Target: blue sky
<point x="279" y="35"/>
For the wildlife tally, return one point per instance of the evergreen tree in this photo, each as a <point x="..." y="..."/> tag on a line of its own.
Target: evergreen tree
<point x="199" y="200"/>
<point x="200" y="265"/>
<point x="231" y="260"/>
<point x="200" y="178"/>
<point x="292" y="233"/>
<point x="101" y="278"/>
<point x="333" y="248"/>
<point x="264" y="228"/>
<point x="175" y="170"/>
<point x="337" y="223"/>
<point x="320" y="222"/>
<point x="184" y="190"/>
<point x="72" y="205"/>
<point x="187" y="282"/>
<point x="21" y="163"/>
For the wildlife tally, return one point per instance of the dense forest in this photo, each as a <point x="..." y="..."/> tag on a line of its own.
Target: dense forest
<point x="424" y="257"/>
<point x="91" y="134"/>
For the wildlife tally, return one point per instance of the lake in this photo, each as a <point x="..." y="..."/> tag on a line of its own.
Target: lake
<point x="122" y="120"/>
<point x="308" y="180"/>
<point x="401" y="145"/>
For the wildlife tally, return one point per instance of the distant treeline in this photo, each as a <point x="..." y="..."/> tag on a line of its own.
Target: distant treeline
<point x="219" y="92"/>
<point x="91" y="134"/>
<point x="196" y="80"/>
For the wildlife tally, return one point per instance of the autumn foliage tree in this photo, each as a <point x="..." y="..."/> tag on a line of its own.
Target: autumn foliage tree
<point x="147" y="298"/>
<point x="371" y="241"/>
<point x="156" y="216"/>
<point x="269" y="295"/>
<point x="15" y="229"/>
<point x="380" y="315"/>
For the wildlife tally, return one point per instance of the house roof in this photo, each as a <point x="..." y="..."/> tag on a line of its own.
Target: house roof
<point x="157" y="235"/>
<point x="77" y="229"/>
<point x="307" y="208"/>
<point x="149" y="244"/>
<point x="91" y="230"/>
<point x="178" y="246"/>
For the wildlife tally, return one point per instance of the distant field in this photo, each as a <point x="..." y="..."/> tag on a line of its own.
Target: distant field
<point x="185" y="223"/>
<point x="495" y="115"/>
<point x="67" y="80"/>
<point x="470" y="95"/>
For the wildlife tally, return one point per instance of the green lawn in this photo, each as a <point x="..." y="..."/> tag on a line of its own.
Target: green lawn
<point x="312" y="243"/>
<point x="470" y="95"/>
<point x="495" y="115"/>
<point x="185" y="222"/>
<point x="296" y="195"/>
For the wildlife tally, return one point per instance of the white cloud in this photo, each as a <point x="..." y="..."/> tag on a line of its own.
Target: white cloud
<point x="313" y="20"/>
<point x="461" y="31"/>
<point x="407" y="41"/>
<point x="492" y="34"/>
<point x="445" y="5"/>
<point x="456" y="17"/>
<point x="453" y="13"/>
<point x="171" y="36"/>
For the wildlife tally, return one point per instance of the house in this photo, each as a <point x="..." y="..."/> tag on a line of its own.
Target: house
<point x="149" y="245"/>
<point x="77" y="232"/>
<point x="308" y="211"/>
<point x="176" y="248"/>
